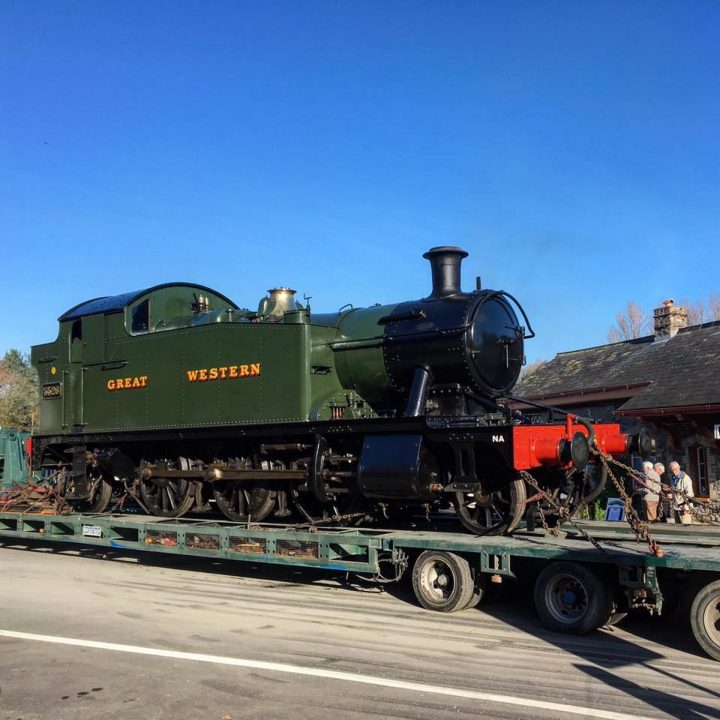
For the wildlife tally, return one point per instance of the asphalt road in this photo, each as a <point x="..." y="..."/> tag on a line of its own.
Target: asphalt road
<point x="192" y="639"/>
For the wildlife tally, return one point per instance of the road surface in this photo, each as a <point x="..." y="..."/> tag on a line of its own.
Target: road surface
<point x="84" y="636"/>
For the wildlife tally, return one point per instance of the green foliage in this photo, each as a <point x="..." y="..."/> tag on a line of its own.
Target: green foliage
<point x="593" y="511"/>
<point x="18" y="391"/>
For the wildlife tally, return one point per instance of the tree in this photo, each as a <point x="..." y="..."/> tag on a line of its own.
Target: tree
<point x="696" y="312"/>
<point x="530" y="368"/>
<point x="18" y="391"/>
<point x="632" y="322"/>
<point x="703" y="311"/>
<point x="714" y="307"/>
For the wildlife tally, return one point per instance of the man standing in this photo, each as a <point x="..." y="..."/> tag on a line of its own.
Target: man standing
<point x="664" y="505"/>
<point x="649" y="490"/>
<point x="681" y="490"/>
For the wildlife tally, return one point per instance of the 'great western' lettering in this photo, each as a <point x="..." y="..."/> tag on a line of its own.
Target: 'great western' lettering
<point x="227" y="372"/>
<point x="128" y="383"/>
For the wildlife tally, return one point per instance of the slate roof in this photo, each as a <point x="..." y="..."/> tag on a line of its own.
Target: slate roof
<point x="681" y="371"/>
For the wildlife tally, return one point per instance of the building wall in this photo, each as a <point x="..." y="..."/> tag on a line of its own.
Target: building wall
<point x="690" y="438"/>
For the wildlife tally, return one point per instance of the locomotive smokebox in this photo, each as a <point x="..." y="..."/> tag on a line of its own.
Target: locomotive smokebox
<point x="445" y="263"/>
<point x="432" y="354"/>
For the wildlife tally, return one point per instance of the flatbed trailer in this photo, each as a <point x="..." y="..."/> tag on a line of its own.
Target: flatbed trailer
<point x="579" y="585"/>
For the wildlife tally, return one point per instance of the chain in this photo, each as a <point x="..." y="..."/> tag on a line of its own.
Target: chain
<point x="35" y="497"/>
<point x="563" y="514"/>
<point x="639" y="527"/>
<point x="551" y="531"/>
<point x="706" y="514"/>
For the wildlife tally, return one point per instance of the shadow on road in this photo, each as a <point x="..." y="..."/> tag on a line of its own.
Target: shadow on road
<point x="601" y="656"/>
<point x="605" y="653"/>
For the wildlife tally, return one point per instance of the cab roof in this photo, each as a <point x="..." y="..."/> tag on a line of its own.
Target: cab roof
<point x="117" y="303"/>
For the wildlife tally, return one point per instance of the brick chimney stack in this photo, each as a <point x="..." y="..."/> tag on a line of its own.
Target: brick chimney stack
<point x="669" y="318"/>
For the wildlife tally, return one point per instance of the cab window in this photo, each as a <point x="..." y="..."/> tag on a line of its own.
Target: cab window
<point x="140" y="320"/>
<point x="76" y="341"/>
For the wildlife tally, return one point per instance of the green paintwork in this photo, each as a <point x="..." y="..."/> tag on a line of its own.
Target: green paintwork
<point x="161" y="361"/>
<point x="348" y="549"/>
<point x="359" y="353"/>
<point x="13" y="459"/>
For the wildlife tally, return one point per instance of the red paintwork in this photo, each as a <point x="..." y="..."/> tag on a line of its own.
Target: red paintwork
<point x="538" y="445"/>
<point x="28" y="448"/>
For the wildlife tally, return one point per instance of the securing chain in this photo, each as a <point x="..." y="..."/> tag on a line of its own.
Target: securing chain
<point x="563" y="514"/>
<point x="638" y="526"/>
<point x="44" y="496"/>
<point x="705" y="514"/>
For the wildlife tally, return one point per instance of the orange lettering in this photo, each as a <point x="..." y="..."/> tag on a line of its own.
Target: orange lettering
<point x="215" y="373"/>
<point x="143" y="380"/>
<point x="110" y="384"/>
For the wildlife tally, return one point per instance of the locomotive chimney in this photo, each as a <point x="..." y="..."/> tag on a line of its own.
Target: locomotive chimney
<point x="445" y="263"/>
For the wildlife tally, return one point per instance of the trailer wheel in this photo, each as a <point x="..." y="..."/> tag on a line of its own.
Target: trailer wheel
<point x="480" y="583"/>
<point x="442" y="581"/>
<point x="572" y="598"/>
<point x="705" y="619"/>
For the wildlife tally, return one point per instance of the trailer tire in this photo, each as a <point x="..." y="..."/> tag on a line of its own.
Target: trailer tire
<point x="442" y="581"/>
<point x="480" y="583"/>
<point x="705" y="619"/>
<point x="572" y="598"/>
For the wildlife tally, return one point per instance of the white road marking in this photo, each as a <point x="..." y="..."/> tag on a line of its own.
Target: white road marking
<point x="329" y="674"/>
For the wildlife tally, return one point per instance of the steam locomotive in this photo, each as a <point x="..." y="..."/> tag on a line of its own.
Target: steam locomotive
<point x="182" y="399"/>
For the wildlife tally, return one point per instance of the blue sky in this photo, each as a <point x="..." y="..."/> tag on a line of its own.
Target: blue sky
<point x="570" y="147"/>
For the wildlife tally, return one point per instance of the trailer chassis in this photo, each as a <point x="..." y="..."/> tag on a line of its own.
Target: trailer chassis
<point x="577" y="588"/>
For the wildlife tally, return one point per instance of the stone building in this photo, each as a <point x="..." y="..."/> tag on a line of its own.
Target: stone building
<point x="669" y="380"/>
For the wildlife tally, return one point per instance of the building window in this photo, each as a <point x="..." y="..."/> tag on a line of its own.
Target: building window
<point x="699" y="472"/>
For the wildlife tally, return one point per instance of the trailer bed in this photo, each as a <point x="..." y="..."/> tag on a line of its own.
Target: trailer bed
<point x="616" y="565"/>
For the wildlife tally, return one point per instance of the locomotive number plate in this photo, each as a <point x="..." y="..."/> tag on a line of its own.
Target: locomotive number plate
<point x="51" y="390"/>
<point x="92" y="531"/>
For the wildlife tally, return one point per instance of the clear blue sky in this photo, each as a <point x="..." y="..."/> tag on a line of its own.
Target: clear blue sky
<point x="571" y="147"/>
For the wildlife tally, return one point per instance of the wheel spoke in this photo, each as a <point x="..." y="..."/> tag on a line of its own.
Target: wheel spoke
<point x="247" y="504"/>
<point x="496" y="511"/>
<point x="237" y="500"/>
<point x="168" y="497"/>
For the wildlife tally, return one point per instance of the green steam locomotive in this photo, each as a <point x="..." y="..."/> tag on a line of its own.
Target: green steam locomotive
<point x="181" y="399"/>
